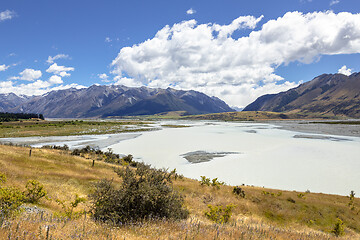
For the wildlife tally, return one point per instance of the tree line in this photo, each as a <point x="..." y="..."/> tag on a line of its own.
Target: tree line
<point x="8" y="117"/>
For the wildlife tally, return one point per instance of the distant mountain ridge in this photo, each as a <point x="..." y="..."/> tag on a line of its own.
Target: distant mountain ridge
<point x="114" y="100"/>
<point x="11" y="100"/>
<point x="327" y="95"/>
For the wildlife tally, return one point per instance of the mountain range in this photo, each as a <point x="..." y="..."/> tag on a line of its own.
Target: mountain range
<point x="325" y="95"/>
<point x="113" y="100"/>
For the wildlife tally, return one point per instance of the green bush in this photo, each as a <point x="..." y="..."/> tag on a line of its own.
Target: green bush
<point x="338" y="229"/>
<point x="69" y="207"/>
<point x="144" y="193"/>
<point x="128" y="158"/>
<point x="289" y="199"/>
<point x="208" y="182"/>
<point x="351" y="202"/>
<point x="219" y="214"/>
<point x="239" y="192"/>
<point x="34" y="191"/>
<point x="301" y="195"/>
<point x="2" y="178"/>
<point x="11" y="198"/>
<point x="205" y="181"/>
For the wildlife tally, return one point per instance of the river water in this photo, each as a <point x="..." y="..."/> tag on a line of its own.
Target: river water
<point x="239" y="153"/>
<point x="265" y="156"/>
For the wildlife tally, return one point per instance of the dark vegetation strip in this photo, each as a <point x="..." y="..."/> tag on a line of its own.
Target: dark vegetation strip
<point x="8" y="117"/>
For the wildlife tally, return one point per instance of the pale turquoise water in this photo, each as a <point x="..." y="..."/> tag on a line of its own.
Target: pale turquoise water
<point x="267" y="156"/>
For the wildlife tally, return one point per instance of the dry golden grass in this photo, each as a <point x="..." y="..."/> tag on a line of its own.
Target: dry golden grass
<point x="262" y="214"/>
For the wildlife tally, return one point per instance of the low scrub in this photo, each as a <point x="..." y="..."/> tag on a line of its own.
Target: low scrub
<point x="145" y="193"/>
<point x="69" y="207"/>
<point x="208" y="182"/>
<point x="34" y="191"/>
<point x="239" y="192"/>
<point x="11" y="198"/>
<point x="219" y="214"/>
<point x="338" y="229"/>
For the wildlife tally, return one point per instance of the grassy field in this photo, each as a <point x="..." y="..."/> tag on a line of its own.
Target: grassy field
<point x="262" y="214"/>
<point x="27" y="128"/>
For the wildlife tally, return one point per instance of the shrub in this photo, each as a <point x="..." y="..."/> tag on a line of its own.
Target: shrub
<point x="144" y="193"/>
<point x="208" y="182"/>
<point x="301" y="195"/>
<point x="64" y="147"/>
<point x="34" y="191"/>
<point x="11" y="199"/>
<point x="2" y="178"/>
<point x="205" y="181"/>
<point x="176" y="175"/>
<point x="219" y="214"/>
<point x="238" y="191"/>
<point x="352" y="198"/>
<point x="128" y="158"/>
<point x="289" y="199"/>
<point x="338" y="229"/>
<point x="69" y="207"/>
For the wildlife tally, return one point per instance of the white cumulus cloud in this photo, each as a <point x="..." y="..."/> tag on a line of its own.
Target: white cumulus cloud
<point x="51" y="59"/>
<point x="190" y="11"/>
<point x="28" y="75"/>
<point x="60" y="70"/>
<point x="55" y="79"/>
<point x="103" y="77"/>
<point x="7" y="15"/>
<point x="344" y="70"/>
<point x="206" y="57"/>
<point x="3" y="67"/>
<point x="129" y="82"/>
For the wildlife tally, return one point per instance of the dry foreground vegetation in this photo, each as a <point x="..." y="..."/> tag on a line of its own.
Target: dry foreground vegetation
<point x="63" y="184"/>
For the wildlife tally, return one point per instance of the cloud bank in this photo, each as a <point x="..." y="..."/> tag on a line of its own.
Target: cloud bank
<point x="207" y="58"/>
<point x="38" y="87"/>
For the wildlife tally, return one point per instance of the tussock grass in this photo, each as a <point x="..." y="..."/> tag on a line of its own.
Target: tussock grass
<point x="262" y="214"/>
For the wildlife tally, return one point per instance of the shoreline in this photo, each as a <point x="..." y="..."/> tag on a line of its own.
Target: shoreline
<point x="307" y="126"/>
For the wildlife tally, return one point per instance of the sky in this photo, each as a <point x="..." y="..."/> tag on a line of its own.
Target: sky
<point x="233" y="49"/>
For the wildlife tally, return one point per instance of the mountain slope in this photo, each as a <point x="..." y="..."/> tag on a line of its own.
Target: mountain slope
<point x="104" y="101"/>
<point x="11" y="100"/>
<point x="327" y="94"/>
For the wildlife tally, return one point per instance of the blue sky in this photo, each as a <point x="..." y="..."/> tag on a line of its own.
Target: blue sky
<point x="107" y="42"/>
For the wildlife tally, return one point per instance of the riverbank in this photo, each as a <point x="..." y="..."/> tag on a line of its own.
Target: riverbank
<point x="319" y="127"/>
